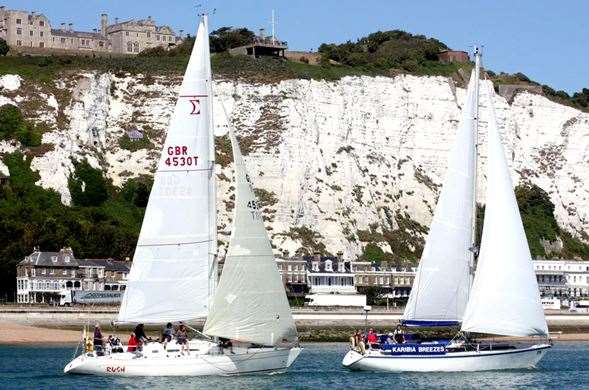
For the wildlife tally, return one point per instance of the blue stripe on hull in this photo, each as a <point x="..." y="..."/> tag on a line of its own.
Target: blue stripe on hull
<point x="449" y="355"/>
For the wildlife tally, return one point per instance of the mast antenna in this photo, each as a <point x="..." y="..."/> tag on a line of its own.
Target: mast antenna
<point x="273" y="27"/>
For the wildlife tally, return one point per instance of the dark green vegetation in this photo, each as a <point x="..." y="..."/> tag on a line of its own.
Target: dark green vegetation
<point x="390" y="52"/>
<point x="126" y="143"/>
<point x="14" y="126"/>
<point x="103" y="221"/>
<point x="3" y="47"/>
<point x="537" y="213"/>
<point x="226" y="38"/>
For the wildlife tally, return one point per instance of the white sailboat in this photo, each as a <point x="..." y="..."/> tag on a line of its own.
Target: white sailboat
<point x="173" y="277"/>
<point x="503" y="299"/>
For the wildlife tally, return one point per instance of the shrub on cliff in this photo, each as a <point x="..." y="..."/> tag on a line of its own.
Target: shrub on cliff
<point x="14" y="126"/>
<point x="3" y="47"/>
<point x="87" y="186"/>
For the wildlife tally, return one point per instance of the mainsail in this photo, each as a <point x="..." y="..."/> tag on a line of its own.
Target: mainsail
<point x="250" y="303"/>
<point x="505" y="299"/>
<point x="442" y="283"/>
<point x="169" y="279"/>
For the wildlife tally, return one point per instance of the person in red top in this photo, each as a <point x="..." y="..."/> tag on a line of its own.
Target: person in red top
<point x="372" y="338"/>
<point x="132" y="343"/>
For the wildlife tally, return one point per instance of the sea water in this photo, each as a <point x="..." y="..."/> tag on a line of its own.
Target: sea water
<point x="566" y="366"/>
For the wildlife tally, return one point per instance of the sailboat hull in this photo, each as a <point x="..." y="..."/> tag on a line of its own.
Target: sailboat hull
<point x="252" y="361"/>
<point x="450" y="362"/>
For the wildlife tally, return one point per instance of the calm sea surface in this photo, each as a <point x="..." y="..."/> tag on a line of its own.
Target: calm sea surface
<point x="566" y="366"/>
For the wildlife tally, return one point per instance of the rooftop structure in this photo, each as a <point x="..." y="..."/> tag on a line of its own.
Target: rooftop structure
<point x="262" y="45"/>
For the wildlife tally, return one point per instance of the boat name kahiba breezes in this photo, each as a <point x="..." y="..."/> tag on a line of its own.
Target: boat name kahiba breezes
<point x="174" y="271"/>
<point x="444" y="291"/>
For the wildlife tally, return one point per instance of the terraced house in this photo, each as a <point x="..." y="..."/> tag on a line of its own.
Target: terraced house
<point x="29" y="32"/>
<point x="42" y="276"/>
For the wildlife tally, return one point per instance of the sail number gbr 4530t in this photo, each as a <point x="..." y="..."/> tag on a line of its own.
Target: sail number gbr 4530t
<point x="178" y="156"/>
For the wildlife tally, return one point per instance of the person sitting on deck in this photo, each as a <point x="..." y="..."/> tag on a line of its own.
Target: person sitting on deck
<point x="167" y="334"/>
<point x="132" y="343"/>
<point x="399" y="335"/>
<point x="98" y="342"/>
<point x="182" y="339"/>
<point x="225" y="343"/>
<point x="371" y="338"/>
<point x="359" y="338"/>
<point x="140" y="336"/>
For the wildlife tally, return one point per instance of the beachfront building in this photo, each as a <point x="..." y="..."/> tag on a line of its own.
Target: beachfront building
<point x="41" y="276"/>
<point x="394" y="283"/>
<point x="294" y="276"/>
<point x="565" y="279"/>
<point x="29" y="32"/>
<point x="331" y="282"/>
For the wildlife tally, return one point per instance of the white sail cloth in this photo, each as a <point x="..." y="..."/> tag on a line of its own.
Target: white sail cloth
<point x="169" y="278"/>
<point x="505" y="299"/>
<point x="442" y="283"/>
<point x="250" y="302"/>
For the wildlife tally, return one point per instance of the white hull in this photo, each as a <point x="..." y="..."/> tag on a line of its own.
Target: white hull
<point x="449" y="362"/>
<point x="163" y="363"/>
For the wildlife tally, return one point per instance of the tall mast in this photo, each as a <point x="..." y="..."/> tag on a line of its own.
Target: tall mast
<point x="474" y="248"/>
<point x="213" y="273"/>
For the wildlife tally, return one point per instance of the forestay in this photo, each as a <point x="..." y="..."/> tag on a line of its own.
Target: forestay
<point x="505" y="299"/>
<point x="442" y="283"/>
<point x="169" y="279"/>
<point x="250" y="302"/>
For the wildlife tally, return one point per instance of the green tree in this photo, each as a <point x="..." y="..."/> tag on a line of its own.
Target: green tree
<point x="87" y="185"/>
<point x="3" y="47"/>
<point x="11" y="121"/>
<point x="226" y="38"/>
<point x="372" y="252"/>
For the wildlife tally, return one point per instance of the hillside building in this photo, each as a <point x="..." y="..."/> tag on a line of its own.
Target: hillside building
<point x="262" y="46"/>
<point x="29" y="32"/>
<point x="449" y="56"/>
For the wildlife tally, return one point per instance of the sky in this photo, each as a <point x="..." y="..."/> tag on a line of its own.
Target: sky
<point x="544" y="39"/>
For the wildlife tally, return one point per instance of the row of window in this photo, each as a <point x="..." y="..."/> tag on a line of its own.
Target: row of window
<point x="158" y="37"/>
<point x="568" y="267"/>
<point x="41" y="22"/>
<point x="382" y="280"/>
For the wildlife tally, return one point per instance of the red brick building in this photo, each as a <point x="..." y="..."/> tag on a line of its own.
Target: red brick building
<point x="449" y="56"/>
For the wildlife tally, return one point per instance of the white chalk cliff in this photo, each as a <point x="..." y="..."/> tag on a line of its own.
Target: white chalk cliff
<point x="333" y="156"/>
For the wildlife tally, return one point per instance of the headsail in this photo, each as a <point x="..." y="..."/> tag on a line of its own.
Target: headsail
<point x="505" y="299"/>
<point x="250" y="302"/>
<point x="169" y="278"/>
<point x="441" y="286"/>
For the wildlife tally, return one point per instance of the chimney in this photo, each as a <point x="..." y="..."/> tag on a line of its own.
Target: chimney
<point x="262" y="33"/>
<point x="103" y="24"/>
<point x="62" y="27"/>
<point x="70" y="26"/>
<point x="116" y="20"/>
